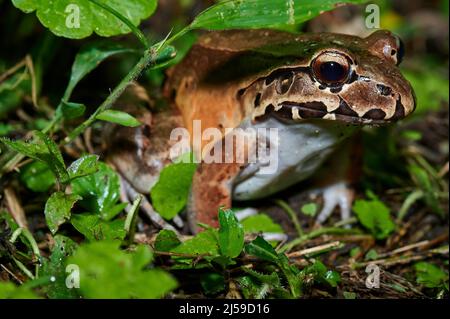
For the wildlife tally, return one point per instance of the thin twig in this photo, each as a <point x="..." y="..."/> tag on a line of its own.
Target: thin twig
<point x="317" y="249"/>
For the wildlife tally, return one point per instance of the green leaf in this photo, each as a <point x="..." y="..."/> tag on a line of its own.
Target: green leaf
<point x="260" y="223"/>
<point x="166" y="240"/>
<point x="309" y="209"/>
<point x="94" y="228"/>
<point x="57" y="209"/>
<point x="271" y="279"/>
<point x="9" y="291"/>
<point x="321" y="274"/>
<point x="375" y="216"/>
<point x="262" y="249"/>
<point x="430" y="275"/>
<point x="89" y="57"/>
<point x="203" y="243"/>
<point x="170" y="193"/>
<point x="371" y="255"/>
<point x="55" y="154"/>
<point x="37" y="176"/>
<point x="78" y="19"/>
<point x="118" y="117"/>
<point x="42" y="149"/>
<point x="292" y="275"/>
<point x="332" y="278"/>
<point x="85" y="165"/>
<point x="231" y="234"/>
<point x="56" y="268"/>
<point x="108" y="272"/>
<point x="254" y="14"/>
<point x="100" y="191"/>
<point x="252" y="289"/>
<point x="212" y="283"/>
<point x="424" y="181"/>
<point x="72" y="110"/>
<point x="349" y="295"/>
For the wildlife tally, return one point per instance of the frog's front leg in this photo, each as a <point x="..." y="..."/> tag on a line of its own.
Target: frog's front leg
<point x="212" y="184"/>
<point x="337" y="179"/>
<point x="211" y="189"/>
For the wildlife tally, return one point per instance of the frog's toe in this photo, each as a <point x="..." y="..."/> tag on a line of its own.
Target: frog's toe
<point x="336" y="195"/>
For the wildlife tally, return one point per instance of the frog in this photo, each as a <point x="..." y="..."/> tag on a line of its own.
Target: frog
<point x="317" y="90"/>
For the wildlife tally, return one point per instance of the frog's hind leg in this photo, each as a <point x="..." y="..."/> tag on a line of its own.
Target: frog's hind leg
<point x="140" y="153"/>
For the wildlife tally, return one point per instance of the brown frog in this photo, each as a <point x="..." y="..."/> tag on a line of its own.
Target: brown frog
<point x="315" y="90"/>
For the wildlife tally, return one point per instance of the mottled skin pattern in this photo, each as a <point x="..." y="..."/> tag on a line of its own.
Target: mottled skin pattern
<point x="233" y="77"/>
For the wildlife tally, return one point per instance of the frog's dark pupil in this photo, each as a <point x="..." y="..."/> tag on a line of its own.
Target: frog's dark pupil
<point x="332" y="72"/>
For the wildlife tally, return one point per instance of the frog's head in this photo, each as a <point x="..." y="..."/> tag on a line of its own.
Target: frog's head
<point x="339" y="77"/>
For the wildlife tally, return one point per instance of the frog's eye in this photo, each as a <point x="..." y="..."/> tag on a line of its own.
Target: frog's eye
<point x="331" y="68"/>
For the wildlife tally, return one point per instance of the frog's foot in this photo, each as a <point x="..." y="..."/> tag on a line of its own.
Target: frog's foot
<point x="336" y="195"/>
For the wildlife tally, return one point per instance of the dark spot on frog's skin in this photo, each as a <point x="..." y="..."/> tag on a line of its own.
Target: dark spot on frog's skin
<point x="384" y="90"/>
<point x="336" y="89"/>
<point x="375" y="114"/>
<point x="240" y="92"/>
<point x="257" y="100"/>
<point x="345" y="109"/>
<point x="322" y="87"/>
<point x="399" y="110"/>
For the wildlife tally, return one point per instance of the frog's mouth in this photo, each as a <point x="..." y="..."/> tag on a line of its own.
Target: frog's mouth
<point x="293" y="111"/>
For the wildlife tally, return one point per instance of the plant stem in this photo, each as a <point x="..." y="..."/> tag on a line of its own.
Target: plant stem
<point x="130" y="221"/>
<point x="26" y="233"/>
<point x="23" y="268"/>
<point x="292" y="215"/>
<point x="138" y="33"/>
<point x="148" y="58"/>
<point x="317" y="233"/>
<point x="409" y="201"/>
